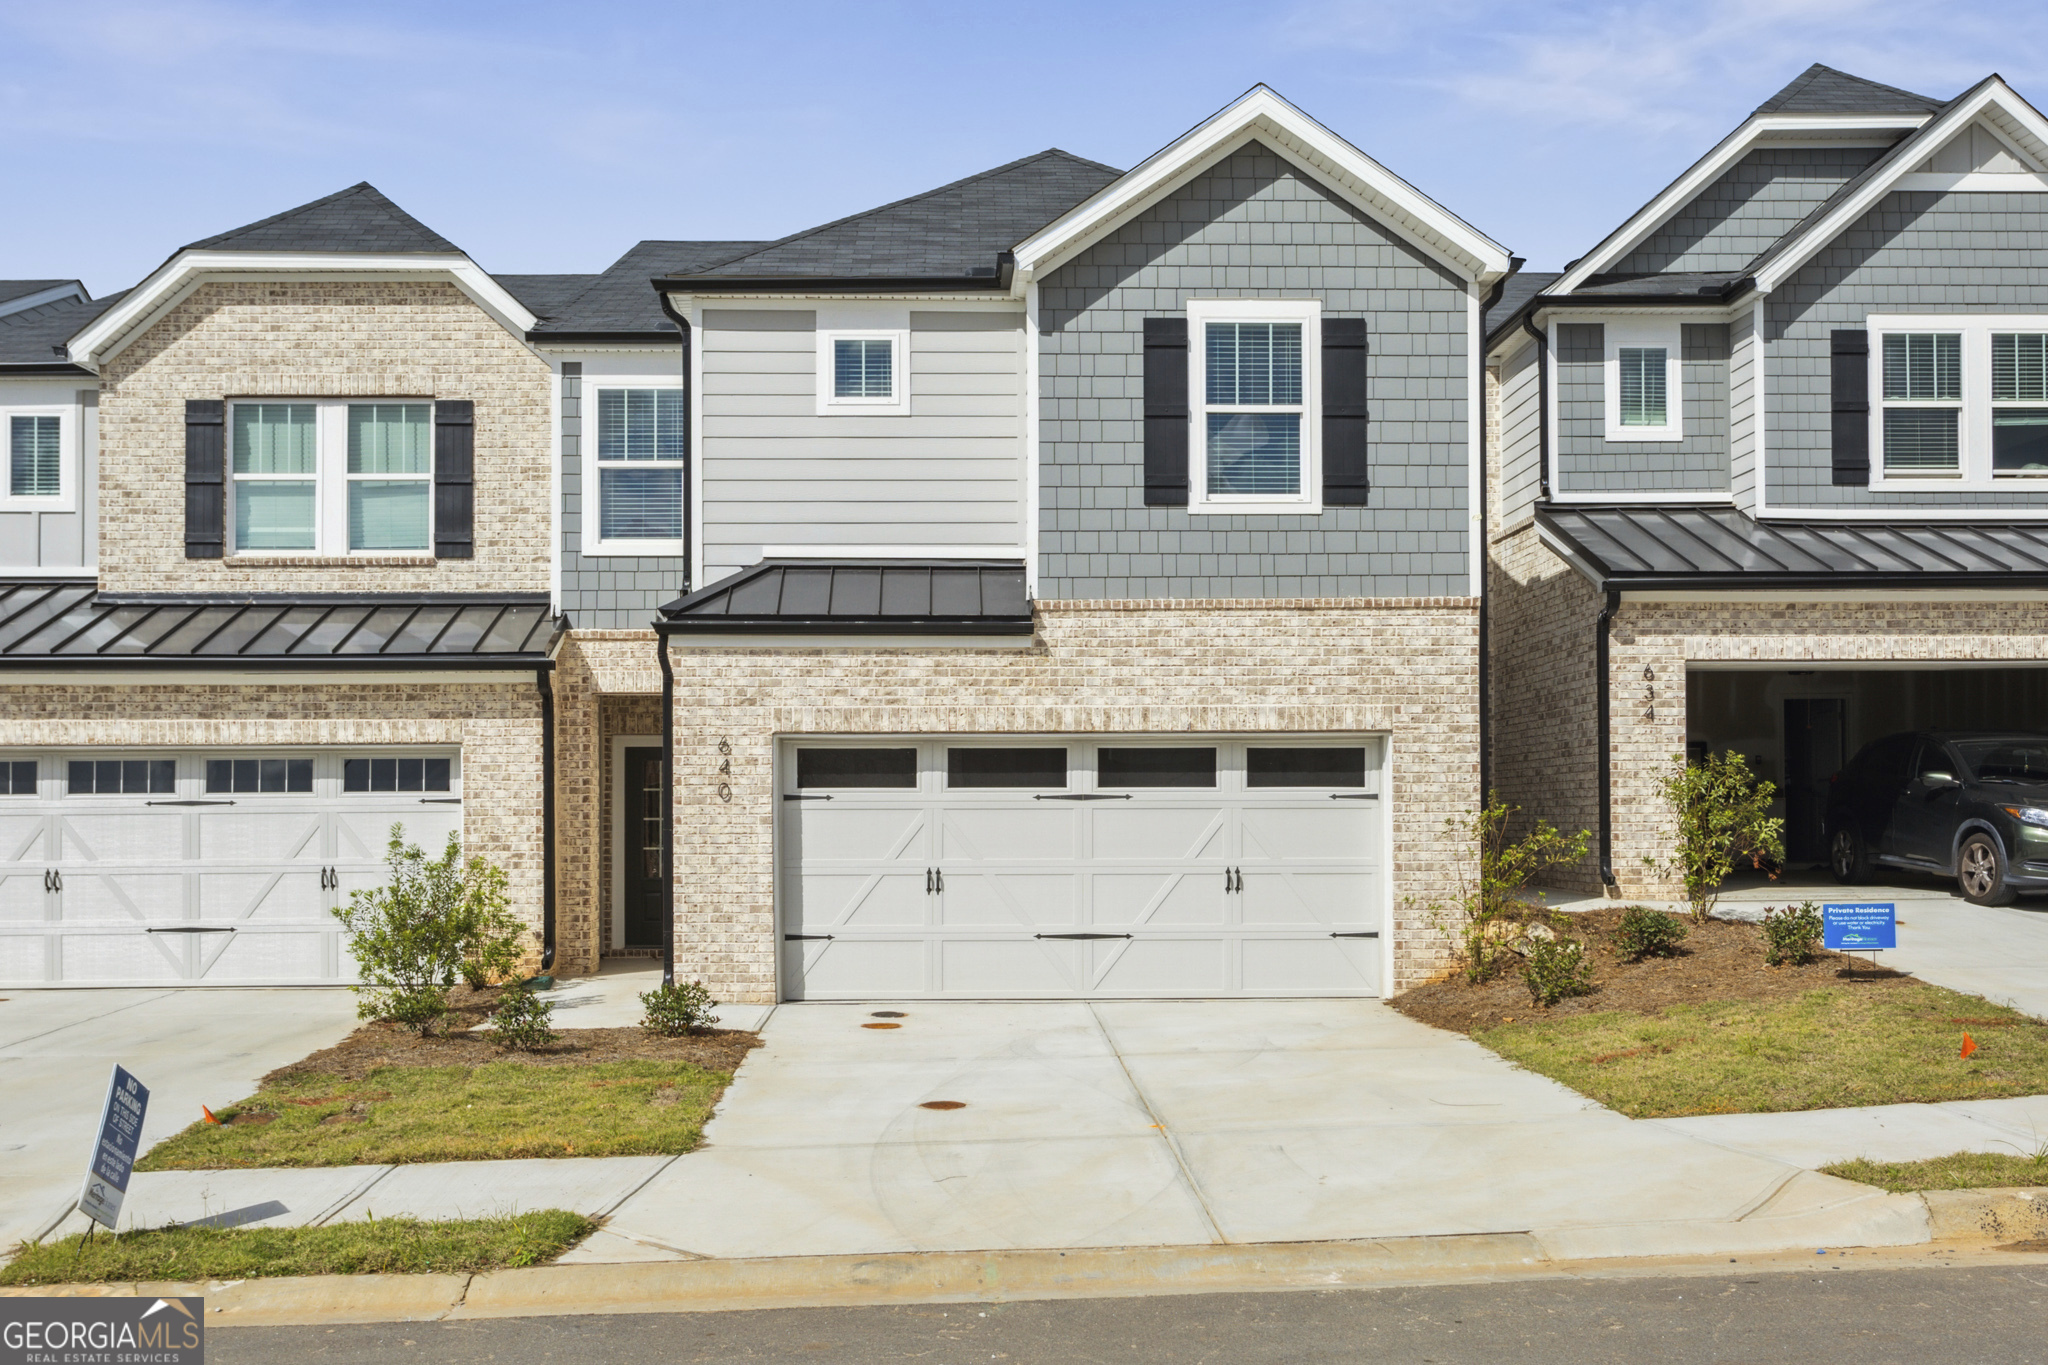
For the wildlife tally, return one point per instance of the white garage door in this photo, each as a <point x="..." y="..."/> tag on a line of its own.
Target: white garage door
<point x="215" y="867"/>
<point x="1061" y="868"/>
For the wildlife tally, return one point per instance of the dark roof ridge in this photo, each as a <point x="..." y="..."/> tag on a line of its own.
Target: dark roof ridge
<point x="911" y="199"/>
<point x="435" y="242"/>
<point x="1789" y="95"/>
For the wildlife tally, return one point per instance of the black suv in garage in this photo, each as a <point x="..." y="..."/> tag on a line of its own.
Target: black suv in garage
<point x="1969" y="803"/>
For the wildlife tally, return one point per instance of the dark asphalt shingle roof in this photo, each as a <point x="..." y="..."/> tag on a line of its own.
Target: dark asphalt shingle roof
<point x="357" y="219"/>
<point x="29" y="337"/>
<point x="622" y="299"/>
<point x="1824" y="90"/>
<point x="1520" y="288"/>
<point x="74" y="623"/>
<point x="855" y="597"/>
<point x="1679" y="282"/>
<point x="544" y="295"/>
<point x="1641" y="547"/>
<point x="941" y="234"/>
<point x="21" y="289"/>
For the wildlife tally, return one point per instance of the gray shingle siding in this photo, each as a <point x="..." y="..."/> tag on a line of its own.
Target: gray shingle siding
<point x="1751" y="205"/>
<point x="1587" y="462"/>
<point x="609" y="593"/>
<point x="1252" y="227"/>
<point x="1917" y="251"/>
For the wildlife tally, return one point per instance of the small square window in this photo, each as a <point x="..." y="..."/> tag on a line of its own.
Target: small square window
<point x="18" y="778"/>
<point x="863" y="367"/>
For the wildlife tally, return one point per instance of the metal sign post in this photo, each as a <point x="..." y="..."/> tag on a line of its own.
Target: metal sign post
<point x="1860" y="927"/>
<point x="113" y="1150"/>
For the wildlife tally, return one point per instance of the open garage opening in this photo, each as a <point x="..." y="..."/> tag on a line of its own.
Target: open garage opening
<point x="1802" y="727"/>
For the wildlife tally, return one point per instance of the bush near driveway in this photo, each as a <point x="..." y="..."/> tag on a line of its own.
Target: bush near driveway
<point x="1839" y="1046"/>
<point x="384" y="1246"/>
<point x="498" y="1110"/>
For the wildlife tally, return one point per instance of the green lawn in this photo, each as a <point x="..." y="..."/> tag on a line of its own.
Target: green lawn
<point x="1957" y="1171"/>
<point x="455" y="1113"/>
<point x="403" y="1246"/>
<point x="1838" y="1046"/>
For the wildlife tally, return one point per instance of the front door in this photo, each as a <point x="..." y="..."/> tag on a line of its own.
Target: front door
<point x="642" y="792"/>
<point x="1814" y="733"/>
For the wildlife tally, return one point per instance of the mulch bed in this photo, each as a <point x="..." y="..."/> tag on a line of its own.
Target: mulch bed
<point x="383" y="1044"/>
<point x="1719" y="960"/>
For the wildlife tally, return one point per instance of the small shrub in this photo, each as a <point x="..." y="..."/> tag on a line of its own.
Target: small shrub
<point x="1724" y="821"/>
<point x="1557" y="968"/>
<point x="1791" y="935"/>
<point x="524" y="1021"/>
<point x="676" y="1009"/>
<point x="1644" y="932"/>
<point x="1485" y="910"/>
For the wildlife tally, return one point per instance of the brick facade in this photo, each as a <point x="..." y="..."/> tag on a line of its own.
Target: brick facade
<point x="497" y="724"/>
<point x="285" y="338"/>
<point x="1401" y="667"/>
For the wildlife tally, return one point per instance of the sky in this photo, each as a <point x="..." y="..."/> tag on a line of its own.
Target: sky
<point x="544" y="138"/>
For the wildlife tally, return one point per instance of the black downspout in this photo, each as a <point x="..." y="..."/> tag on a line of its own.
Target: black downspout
<point x="544" y="677"/>
<point x="1604" y="708"/>
<point x="668" y="811"/>
<point x="1480" y="558"/>
<point x="1542" y="404"/>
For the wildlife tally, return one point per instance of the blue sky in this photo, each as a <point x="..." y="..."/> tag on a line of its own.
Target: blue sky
<point x="551" y="137"/>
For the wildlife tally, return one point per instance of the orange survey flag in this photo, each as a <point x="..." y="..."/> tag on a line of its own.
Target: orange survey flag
<point x="1969" y="1046"/>
<point x="211" y="1119"/>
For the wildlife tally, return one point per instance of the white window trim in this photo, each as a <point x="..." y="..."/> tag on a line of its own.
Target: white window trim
<point x="330" y="480"/>
<point x="66" y="497"/>
<point x="1307" y="312"/>
<point x="1973" y="422"/>
<point x="897" y="404"/>
<point x="592" y="501"/>
<point x="1630" y="333"/>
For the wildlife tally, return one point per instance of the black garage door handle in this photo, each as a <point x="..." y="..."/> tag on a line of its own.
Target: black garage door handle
<point x="193" y="929"/>
<point x="803" y="937"/>
<point x="1080" y="936"/>
<point x="1370" y="933"/>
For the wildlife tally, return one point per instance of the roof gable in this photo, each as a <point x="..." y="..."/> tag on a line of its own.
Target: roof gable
<point x="1262" y="115"/>
<point x="356" y="220"/>
<point x="1824" y="90"/>
<point x="953" y="232"/>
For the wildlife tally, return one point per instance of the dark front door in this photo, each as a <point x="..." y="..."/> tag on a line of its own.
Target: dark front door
<point x="1814" y="734"/>
<point x="641" y="783"/>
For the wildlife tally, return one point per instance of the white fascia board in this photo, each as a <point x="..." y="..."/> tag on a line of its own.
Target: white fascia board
<point x="840" y="644"/>
<point x="2019" y="119"/>
<point x="1264" y="115"/>
<point x="147" y="303"/>
<point x="1006" y="553"/>
<point x="1763" y="130"/>
<point x="70" y="289"/>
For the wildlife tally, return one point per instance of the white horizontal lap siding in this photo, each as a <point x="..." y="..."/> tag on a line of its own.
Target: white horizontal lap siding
<point x="775" y="472"/>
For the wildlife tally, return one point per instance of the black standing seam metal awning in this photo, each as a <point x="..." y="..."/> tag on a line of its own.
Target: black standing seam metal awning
<point x="71" y="623"/>
<point x="865" y="597"/>
<point x="1647" y="547"/>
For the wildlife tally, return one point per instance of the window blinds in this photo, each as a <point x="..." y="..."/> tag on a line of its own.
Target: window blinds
<point x="1642" y="386"/>
<point x="34" y="470"/>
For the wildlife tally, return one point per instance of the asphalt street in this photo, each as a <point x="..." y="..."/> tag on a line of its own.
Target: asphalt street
<point x="1871" y="1317"/>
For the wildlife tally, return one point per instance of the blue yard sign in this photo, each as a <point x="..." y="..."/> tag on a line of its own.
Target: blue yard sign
<point x="1860" y="928"/>
<point x="113" y="1150"/>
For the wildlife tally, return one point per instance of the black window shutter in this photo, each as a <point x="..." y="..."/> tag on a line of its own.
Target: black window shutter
<point x="1850" y="386"/>
<point x="454" y="479"/>
<point x="206" y="487"/>
<point x="1166" y="412"/>
<point x="1345" y="481"/>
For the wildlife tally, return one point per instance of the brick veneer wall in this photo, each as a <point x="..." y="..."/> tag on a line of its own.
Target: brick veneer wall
<point x="1405" y="667"/>
<point x="322" y="340"/>
<point x="497" y="724"/>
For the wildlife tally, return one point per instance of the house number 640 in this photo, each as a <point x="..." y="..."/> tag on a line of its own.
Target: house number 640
<point x="725" y="769"/>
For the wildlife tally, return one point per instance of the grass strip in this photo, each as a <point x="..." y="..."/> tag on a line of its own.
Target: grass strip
<point x="1956" y="1171"/>
<point x="384" y="1246"/>
<point x="1838" y="1046"/>
<point x="403" y="1114"/>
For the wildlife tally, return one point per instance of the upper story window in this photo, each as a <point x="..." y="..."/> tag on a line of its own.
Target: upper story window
<point x="331" y="477"/>
<point x="1255" y="405"/>
<point x="863" y="372"/>
<point x="641" y="447"/>
<point x="38" y="470"/>
<point x="1642" y="378"/>
<point x="1961" y="400"/>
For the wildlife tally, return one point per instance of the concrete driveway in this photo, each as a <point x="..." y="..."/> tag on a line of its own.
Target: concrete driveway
<point x="190" y="1047"/>
<point x="970" y="1126"/>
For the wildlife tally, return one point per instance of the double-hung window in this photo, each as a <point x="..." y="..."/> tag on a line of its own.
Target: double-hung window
<point x="641" y="447"/>
<point x="38" y="468"/>
<point x="1960" y="400"/>
<point x="1254" y="380"/>
<point x="331" y="477"/>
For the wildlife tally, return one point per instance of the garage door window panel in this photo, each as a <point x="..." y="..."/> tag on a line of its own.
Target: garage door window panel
<point x="857" y="769"/>
<point x="18" y="777"/>
<point x="1305" y="767"/>
<point x="1012" y="768"/>
<point x="396" y="774"/>
<point x="122" y="776"/>
<point x="258" y="775"/>
<point x="1118" y="769"/>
